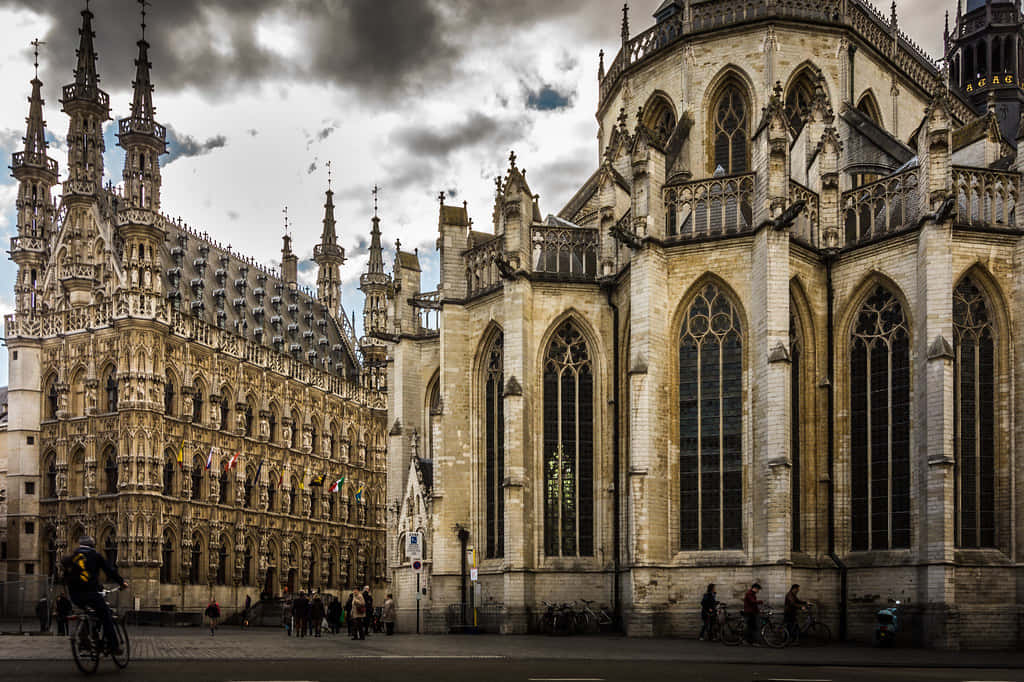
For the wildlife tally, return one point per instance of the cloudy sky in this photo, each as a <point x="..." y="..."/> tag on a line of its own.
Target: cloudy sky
<point x="416" y="96"/>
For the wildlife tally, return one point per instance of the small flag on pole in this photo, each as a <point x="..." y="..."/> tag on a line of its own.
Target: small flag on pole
<point x="318" y="481"/>
<point x="232" y="462"/>
<point x="258" y="470"/>
<point x="181" y="455"/>
<point x="209" y="458"/>
<point x="359" y="494"/>
<point x="280" y="481"/>
<point x="336" y="486"/>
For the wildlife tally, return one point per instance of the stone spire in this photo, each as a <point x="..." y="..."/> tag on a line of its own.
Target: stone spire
<point x="88" y="107"/>
<point x="36" y="174"/>
<point x="329" y="257"/>
<point x="143" y="139"/>
<point x="289" y="261"/>
<point x="374" y="283"/>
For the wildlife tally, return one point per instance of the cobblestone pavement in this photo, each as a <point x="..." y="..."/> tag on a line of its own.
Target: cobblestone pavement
<point x="194" y="644"/>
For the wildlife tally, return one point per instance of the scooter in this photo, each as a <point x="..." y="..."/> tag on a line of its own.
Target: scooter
<point x="888" y="624"/>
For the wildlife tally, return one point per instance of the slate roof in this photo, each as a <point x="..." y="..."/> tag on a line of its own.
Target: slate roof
<point x="409" y="261"/>
<point x="227" y="290"/>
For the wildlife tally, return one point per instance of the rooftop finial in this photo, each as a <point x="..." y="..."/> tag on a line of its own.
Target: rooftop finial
<point x="376" y="189"/>
<point x="512" y="158"/>
<point x="600" y="65"/>
<point x="625" y="24"/>
<point x="142" y="8"/>
<point x="35" y="45"/>
<point x="285" y="212"/>
<point x="440" y="197"/>
<point x="328" y="175"/>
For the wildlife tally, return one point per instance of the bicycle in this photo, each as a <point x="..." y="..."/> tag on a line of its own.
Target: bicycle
<point x="812" y="632"/>
<point x="730" y="627"/>
<point x="88" y="644"/>
<point x="773" y="633"/>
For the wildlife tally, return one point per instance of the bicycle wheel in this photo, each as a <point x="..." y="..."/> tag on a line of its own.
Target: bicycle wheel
<point x="731" y="632"/>
<point x="121" y="660"/>
<point x="774" y="634"/>
<point x="84" y="649"/>
<point x="816" y="634"/>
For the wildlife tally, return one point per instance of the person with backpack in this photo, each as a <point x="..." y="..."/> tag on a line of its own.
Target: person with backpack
<point x="358" y="615"/>
<point x="708" y="608"/>
<point x="82" y="577"/>
<point x="212" y="614"/>
<point x="316" y="615"/>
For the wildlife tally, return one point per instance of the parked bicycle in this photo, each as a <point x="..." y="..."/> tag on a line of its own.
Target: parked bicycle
<point x="588" y="620"/>
<point x="88" y="645"/>
<point x="812" y="632"/>
<point x="556" y="619"/>
<point x="732" y="628"/>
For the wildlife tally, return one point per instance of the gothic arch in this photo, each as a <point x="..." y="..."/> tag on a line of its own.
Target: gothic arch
<point x="800" y="92"/>
<point x="867" y="104"/>
<point x="76" y="386"/>
<point x="487" y="391"/>
<point x="803" y="412"/>
<point x="76" y="473"/>
<point x="855" y="300"/>
<point x="169" y="563"/>
<point x="108" y="464"/>
<point x="659" y="116"/>
<point x="591" y="336"/>
<point x="51" y="400"/>
<point x="695" y="288"/>
<point x="732" y="81"/>
<point x="996" y="299"/>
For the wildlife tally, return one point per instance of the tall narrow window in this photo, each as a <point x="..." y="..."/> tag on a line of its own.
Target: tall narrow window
<point x="51" y="400"/>
<point x="169" y="465"/>
<point x="568" y="445"/>
<point x="798" y="101"/>
<point x="196" y="566"/>
<point x="110" y="471"/>
<point x="197" y="478"/>
<point x="111" y="389"/>
<point x="796" y="356"/>
<point x="167" y="559"/>
<point x="974" y="399"/>
<point x="730" y="131"/>
<point x="880" y="425"/>
<point x="222" y="563"/>
<point x="711" y="424"/>
<point x="197" y="405"/>
<point x="50" y="484"/>
<point x="169" y="396"/>
<point x="494" y="447"/>
<point x="110" y="548"/>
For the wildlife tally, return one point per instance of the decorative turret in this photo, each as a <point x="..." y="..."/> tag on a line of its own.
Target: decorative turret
<point x="142" y="138"/>
<point x="329" y="257"/>
<point x="289" y="262"/>
<point x="144" y="141"/>
<point x="375" y="283"/>
<point x="36" y="174"/>
<point x="88" y="108"/>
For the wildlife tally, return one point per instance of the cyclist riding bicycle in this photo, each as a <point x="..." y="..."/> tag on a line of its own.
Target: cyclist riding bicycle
<point x="81" y="574"/>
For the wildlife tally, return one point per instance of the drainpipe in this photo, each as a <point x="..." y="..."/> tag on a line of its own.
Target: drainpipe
<point x="843" y="587"/>
<point x="616" y="524"/>
<point x="463" y="540"/>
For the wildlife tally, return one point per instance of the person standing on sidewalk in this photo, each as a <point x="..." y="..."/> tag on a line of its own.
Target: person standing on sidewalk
<point x="389" y="614"/>
<point x="300" y="610"/>
<point x="212" y="614"/>
<point x="358" y="615"/>
<point x="751" y="613"/>
<point x="63" y="612"/>
<point x="286" y="616"/>
<point x="708" y="607"/>
<point x="334" y="615"/>
<point x="794" y="605"/>
<point x="368" y="620"/>
<point x="316" y="615"/>
<point x="245" y="613"/>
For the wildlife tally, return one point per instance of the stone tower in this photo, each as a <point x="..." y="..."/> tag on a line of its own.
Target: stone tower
<point x="376" y="287"/>
<point x="36" y="174"/>
<point x="88" y="108"/>
<point x="329" y="258"/>
<point x="983" y="55"/>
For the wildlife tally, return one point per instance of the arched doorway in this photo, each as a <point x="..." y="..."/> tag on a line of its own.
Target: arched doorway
<point x="270" y="583"/>
<point x="291" y="580"/>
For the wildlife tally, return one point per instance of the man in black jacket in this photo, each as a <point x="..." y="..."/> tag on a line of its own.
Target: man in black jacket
<point x="368" y="621"/>
<point x="82" y="575"/>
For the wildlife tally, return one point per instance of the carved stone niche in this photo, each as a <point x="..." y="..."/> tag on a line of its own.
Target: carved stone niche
<point x="264" y="425"/>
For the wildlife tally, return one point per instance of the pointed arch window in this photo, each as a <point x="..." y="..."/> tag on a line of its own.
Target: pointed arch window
<point x="222" y="563"/>
<point x="197" y="405"/>
<point x="494" y="447"/>
<point x="197" y="478"/>
<point x="880" y="425"/>
<point x="974" y="428"/>
<point x="196" y="566"/>
<point x="51" y="400"/>
<point x="247" y="577"/>
<point x="110" y="472"/>
<point x="169" y="465"/>
<point x="167" y="559"/>
<point x="110" y="548"/>
<point x="711" y="424"/>
<point x="224" y="484"/>
<point x="798" y="102"/>
<point x="568" y="445"/>
<point x="110" y="386"/>
<point x="50" y="484"/>
<point x="730" y="131"/>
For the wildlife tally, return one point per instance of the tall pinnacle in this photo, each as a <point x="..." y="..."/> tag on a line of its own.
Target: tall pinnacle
<point x="85" y="73"/>
<point x="35" y="133"/>
<point x="376" y="264"/>
<point x="328" y="237"/>
<point x="142" y="102"/>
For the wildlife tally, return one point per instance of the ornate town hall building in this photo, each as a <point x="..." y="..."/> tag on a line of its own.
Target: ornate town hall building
<point x="770" y="338"/>
<point x="185" y="405"/>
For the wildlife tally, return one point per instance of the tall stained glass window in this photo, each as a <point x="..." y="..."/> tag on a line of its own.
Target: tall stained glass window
<point x="494" y="447"/>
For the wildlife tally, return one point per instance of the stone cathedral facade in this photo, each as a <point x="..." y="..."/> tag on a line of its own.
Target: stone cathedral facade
<point x="770" y="338"/>
<point x="182" y="403"/>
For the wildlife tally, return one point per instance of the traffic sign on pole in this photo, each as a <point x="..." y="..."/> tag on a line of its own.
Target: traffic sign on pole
<point x="417" y="566"/>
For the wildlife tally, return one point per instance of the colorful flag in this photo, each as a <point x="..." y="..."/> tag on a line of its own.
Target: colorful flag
<point x="336" y="486"/>
<point x="359" y="494"/>
<point x="318" y="481"/>
<point x="280" y="481"/>
<point x="181" y="456"/>
<point x="232" y="462"/>
<point x="209" y="458"/>
<point x="301" y="486"/>
<point x="258" y="470"/>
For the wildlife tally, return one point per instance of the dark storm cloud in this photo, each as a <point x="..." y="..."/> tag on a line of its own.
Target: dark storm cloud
<point x="380" y="48"/>
<point x="478" y="128"/>
<point x="180" y="145"/>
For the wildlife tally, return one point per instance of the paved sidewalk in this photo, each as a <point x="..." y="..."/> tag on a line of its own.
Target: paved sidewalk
<point x="190" y="644"/>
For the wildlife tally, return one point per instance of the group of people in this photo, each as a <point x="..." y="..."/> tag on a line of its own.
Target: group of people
<point x="306" y="614"/>
<point x="751" y="612"/>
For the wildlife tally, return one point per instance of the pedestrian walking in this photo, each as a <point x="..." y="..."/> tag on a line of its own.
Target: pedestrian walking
<point x="316" y="615"/>
<point x="63" y="613"/>
<point x="751" y="612"/>
<point x="287" y="616"/>
<point x="794" y="605"/>
<point x="246" y="611"/>
<point x="212" y="614"/>
<point x="389" y="614"/>
<point x="368" y="620"/>
<point x="349" y="623"/>
<point x="708" y="608"/>
<point x="358" y="615"/>
<point x="334" y="612"/>
<point x="300" y="611"/>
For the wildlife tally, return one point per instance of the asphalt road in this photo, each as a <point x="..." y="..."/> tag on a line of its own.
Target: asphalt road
<point x="476" y="670"/>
